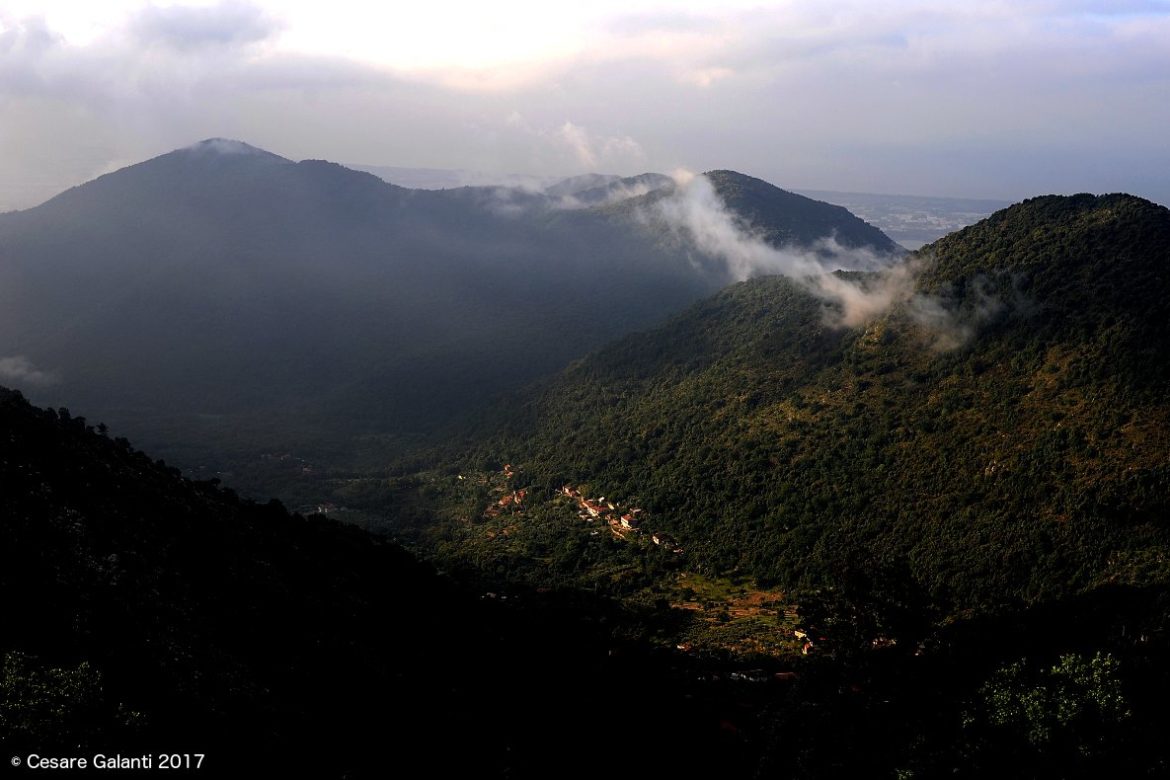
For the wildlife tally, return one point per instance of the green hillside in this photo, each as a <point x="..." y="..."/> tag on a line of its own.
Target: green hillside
<point x="960" y="505"/>
<point x="1001" y="433"/>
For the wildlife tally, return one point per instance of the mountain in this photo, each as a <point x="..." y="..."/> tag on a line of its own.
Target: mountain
<point x="224" y="296"/>
<point x="447" y="178"/>
<point x="956" y="503"/>
<point x="680" y="215"/>
<point x="998" y="429"/>
<point x="576" y="184"/>
<point x="784" y="218"/>
<point x="957" y="500"/>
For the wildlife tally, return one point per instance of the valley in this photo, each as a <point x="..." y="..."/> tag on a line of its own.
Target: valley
<point x="719" y="391"/>
<point x="738" y="468"/>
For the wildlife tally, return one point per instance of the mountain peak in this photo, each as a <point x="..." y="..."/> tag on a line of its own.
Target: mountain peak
<point x="784" y="218"/>
<point x="227" y="147"/>
<point x="1096" y="235"/>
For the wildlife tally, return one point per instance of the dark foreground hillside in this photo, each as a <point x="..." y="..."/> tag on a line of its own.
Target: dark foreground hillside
<point x="147" y="613"/>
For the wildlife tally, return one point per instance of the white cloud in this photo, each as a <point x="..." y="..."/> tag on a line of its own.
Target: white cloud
<point x="227" y="23"/>
<point x="568" y="147"/>
<point x="696" y="210"/>
<point x="20" y="370"/>
<point x="599" y="152"/>
<point x="989" y="99"/>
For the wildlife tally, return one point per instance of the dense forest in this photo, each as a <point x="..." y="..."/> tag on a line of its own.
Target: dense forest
<point x="1000" y="433"/>
<point x="970" y="489"/>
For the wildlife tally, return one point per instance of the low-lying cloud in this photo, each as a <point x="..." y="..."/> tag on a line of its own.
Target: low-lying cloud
<point x="606" y="195"/>
<point x="952" y="321"/>
<point x="20" y="370"/>
<point x="696" y="211"/>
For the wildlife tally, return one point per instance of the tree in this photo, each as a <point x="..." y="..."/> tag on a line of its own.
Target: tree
<point x="1071" y="714"/>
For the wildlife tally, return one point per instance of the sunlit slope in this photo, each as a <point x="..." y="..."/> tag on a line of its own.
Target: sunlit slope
<point x="1001" y="428"/>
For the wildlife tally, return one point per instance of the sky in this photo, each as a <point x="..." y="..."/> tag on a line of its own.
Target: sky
<point x="985" y="99"/>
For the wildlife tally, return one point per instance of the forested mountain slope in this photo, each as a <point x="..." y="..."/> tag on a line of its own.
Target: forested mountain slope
<point x="1000" y="432"/>
<point x="784" y="218"/>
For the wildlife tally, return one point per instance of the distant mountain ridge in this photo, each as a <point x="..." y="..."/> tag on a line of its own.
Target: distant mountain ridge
<point x="786" y="218"/>
<point x="910" y="220"/>
<point x="221" y="288"/>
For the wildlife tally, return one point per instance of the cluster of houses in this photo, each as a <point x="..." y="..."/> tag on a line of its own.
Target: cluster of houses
<point x="621" y="521"/>
<point x="808" y="644"/>
<point x="755" y="676"/>
<point x="514" y="499"/>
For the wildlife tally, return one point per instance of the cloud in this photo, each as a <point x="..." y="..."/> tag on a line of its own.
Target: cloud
<point x="223" y="146"/>
<point x="949" y="320"/>
<point x="229" y="23"/>
<point x="25" y="36"/>
<point x="695" y="210"/>
<point x="577" y="139"/>
<point x="705" y="77"/>
<point x="27" y="48"/>
<point x="20" y="370"/>
<point x="991" y="100"/>
<point x="608" y="194"/>
<point x="569" y="147"/>
<point x="594" y="152"/>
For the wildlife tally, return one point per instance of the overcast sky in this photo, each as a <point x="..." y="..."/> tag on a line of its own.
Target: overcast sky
<point x="977" y="99"/>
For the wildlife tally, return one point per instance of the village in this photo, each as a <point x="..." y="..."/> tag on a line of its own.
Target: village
<point x="730" y="615"/>
<point x="622" y="522"/>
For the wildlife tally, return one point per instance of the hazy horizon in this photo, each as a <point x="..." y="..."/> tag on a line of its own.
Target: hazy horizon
<point x="985" y="101"/>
